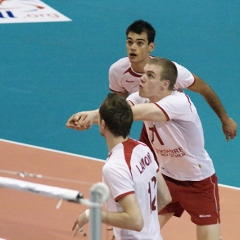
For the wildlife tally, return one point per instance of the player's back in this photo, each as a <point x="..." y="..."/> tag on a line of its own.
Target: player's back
<point x="133" y="170"/>
<point x="144" y="169"/>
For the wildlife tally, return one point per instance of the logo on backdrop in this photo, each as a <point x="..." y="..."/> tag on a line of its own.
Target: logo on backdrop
<point x="26" y="11"/>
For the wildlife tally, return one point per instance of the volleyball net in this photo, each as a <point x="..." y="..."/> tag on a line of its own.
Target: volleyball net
<point x="99" y="193"/>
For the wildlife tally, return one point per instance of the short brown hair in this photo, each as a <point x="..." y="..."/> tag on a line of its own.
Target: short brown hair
<point x="117" y="114"/>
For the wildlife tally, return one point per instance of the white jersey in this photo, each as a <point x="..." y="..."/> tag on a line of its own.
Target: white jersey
<point x="122" y="77"/>
<point x="178" y="142"/>
<point x="131" y="168"/>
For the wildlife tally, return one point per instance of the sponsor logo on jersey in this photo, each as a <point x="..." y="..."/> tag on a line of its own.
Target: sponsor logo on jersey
<point x="25" y="11"/>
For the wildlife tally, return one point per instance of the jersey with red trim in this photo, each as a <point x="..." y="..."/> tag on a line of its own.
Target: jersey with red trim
<point x="179" y="141"/>
<point x="122" y="77"/>
<point x="131" y="169"/>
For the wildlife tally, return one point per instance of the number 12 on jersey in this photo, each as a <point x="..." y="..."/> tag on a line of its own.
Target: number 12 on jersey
<point x="152" y="193"/>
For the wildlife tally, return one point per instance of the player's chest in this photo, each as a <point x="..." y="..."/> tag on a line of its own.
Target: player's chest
<point x="161" y="134"/>
<point x="130" y="83"/>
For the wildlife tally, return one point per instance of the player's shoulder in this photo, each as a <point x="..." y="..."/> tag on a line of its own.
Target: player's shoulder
<point x="180" y="100"/>
<point x="120" y="65"/>
<point x="176" y="97"/>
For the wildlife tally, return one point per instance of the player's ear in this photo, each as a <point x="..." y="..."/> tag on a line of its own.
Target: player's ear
<point x="167" y="83"/>
<point x="103" y="123"/>
<point x="151" y="46"/>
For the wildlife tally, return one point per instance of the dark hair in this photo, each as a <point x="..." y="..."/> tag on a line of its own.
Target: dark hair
<point x="140" y="26"/>
<point x="117" y="114"/>
<point x="168" y="70"/>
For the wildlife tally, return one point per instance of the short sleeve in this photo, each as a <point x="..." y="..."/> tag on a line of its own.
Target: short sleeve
<point x="119" y="181"/>
<point x="185" y="78"/>
<point x="176" y="106"/>
<point x="135" y="99"/>
<point x="114" y="83"/>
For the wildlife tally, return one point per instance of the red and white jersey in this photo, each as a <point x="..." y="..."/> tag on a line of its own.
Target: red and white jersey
<point x="131" y="168"/>
<point x="122" y="78"/>
<point x="178" y="142"/>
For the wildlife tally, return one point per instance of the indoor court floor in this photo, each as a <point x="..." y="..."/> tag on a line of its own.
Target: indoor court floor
<point x="27" y="216"/>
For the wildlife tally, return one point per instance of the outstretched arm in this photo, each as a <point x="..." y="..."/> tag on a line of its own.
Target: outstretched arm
<point x="84" y="120"/>
<point x="229" y="126"/>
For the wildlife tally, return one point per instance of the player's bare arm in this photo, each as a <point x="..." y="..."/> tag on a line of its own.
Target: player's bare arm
<point x="229" y="126"/>
<point x="131" y="216"/>
<point x="148" y="112"/>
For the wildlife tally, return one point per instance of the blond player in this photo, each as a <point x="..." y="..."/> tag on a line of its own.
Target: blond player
<point x="175" y="132"/>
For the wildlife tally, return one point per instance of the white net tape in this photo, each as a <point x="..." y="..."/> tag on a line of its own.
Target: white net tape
<point x="50" y="191"/>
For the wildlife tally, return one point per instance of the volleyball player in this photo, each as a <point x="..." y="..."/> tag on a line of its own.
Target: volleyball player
<point x="137" y="189"/>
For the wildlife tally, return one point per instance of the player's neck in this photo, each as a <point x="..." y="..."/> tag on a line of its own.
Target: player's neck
<point x="137" y="67"/>
<point x="113" y="141"/>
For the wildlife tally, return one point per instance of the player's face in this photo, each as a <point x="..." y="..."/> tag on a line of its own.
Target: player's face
<point x="138" y="49"/>
<point x="151" y="84"/>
